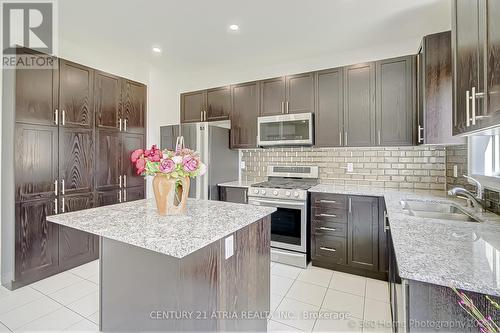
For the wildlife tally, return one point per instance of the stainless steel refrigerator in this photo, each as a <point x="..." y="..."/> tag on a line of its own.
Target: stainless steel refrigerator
<point x="211" y="140"/>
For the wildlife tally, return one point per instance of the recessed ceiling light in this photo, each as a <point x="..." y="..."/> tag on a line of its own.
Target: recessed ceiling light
<point x="234" y="27"/>
<point x="156" y="49"/>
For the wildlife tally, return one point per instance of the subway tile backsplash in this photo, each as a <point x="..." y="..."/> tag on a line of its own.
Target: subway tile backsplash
<point x="417" y="168"/>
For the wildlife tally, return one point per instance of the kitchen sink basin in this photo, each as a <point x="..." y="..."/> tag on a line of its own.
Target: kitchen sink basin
<point x="436" y="210"/>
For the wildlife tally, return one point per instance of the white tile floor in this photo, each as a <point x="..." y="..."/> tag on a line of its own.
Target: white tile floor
<point x="301" y="300"/>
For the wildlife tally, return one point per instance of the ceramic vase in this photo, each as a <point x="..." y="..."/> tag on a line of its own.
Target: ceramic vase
<point x="170" y="198"/>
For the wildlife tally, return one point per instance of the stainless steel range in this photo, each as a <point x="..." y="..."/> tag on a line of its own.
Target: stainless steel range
<point x="286" y="189"/>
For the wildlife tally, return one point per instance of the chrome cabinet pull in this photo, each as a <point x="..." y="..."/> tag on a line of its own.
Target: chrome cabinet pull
<point x="379" y="139"/>
<point x="340" y="138"/>
<point x="55" y="206"/>
<point x="63" y="117"/>
<point x="326" y="228"/>
<point x="282" y="107"/>
<point x="327" y="215"/>
<point x="55" y="187"/>
<point x="124" y="195"/>
<point x="350" y="205"/>
<point x="328" y="201"/>
<point x="120" y="180"/>
<point x="120" y="196"/>
<point x="287" y="105"/>
<point x="467" y="112"/>
<point x="473" y="106"/>
<point x="63" y="190"/>
<point x="56" y="116"/>
<point x="124" y="180"/>
<point x="329" y="249"/>
<point x="124" y="125"/>
<point x="62" y="205"/>
<point x="345" y="138"/>
<point x="420" y="134"/>
<point x="120" y="124"/>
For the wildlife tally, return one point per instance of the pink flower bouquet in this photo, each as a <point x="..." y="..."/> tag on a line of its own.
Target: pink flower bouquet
<point x="172" y="164"/>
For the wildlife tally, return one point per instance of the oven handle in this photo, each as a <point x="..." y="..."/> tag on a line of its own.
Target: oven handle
<point x="275" y="203"/>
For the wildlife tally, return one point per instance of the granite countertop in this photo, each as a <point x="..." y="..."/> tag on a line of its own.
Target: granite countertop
<point x="137" y="223"/>
<point x="238" y="183"/>
<point x="443" y="252"/>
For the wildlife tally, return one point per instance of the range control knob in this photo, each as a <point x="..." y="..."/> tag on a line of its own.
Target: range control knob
<point x="262" y="191"/>
<point x="275" y="192"/>
<point x="287" y="193"/>
<point x="296" y="194"/>
<point x="256" y="191"/>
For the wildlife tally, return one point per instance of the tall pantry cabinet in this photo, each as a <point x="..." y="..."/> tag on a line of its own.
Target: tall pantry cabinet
<point x="75" y="128"/>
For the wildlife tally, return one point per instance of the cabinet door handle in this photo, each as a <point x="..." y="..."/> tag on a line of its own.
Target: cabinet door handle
<point x="326" y="228"/>
<point x="340" y="138"/>
<point x="473" y="106"/>
<point x="467" y="112"/>
<point x="327" y="215"/>
<point x="63" y="190"/>
<point x="124" y="195"/>
<point x="55" y="206"/>
<point x="386" y="222"/>
<point x="120" y="196"/>
<point x="282" y="107"/>
<point x="329" y="249"/>
<point x="62" y="205"/>
<point x="120" y="180"/>
<point x="350" y="205"/>
<point x="124" y="180"/>
<point x="420" y="134"/>
<point x="120" y="124"/>
<point x="345" y="138"/>
<point x="55" y="187"/>
<point x="327" y="201"/>
<point x="286" y="105"/>
<point x="56" y="116"/>
<point x="379" y="139"/>
<point x="63" y="117"/>
<point x="124" y="125"/>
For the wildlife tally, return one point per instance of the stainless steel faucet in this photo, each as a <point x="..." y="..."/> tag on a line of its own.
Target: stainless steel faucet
<point x="476" y="201"/>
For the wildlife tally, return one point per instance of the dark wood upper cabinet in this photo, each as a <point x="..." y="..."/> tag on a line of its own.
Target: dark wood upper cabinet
<point x="435" y="91"/>
<point x="109" y="197"/>
<point x="492" y="112"/>
<point x="37" y="96"/>
<point x="76" y="95"/>
<point x="329" y="113"/>
<point x="363" y="222"/>
<point x="133" y="106"/>
<point x="134" y="193"/>
<point x="395" y="110"/>
<point x="76" y="160"/>
<point x="107" y="100"/>
<point x="245" y="110"/>
<point x="131" y="142"/>
<point x="36" y="155"/>
<point x="109" y="163"/>
<point x="193" y="104"/>
<point x="468" y="64"/>
<point x="300" y="93"/>
<point x="359" y="105"/>
<point x="273" y="96"/>
<point x="76" y="246"/>
<point x="218" y="103"/>
<point x="36" y="242"/>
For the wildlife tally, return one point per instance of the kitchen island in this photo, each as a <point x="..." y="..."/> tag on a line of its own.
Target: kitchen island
<point x="208" y="270"/>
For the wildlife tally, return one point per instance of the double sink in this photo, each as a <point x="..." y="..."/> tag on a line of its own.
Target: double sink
<point x="436" y="210"/>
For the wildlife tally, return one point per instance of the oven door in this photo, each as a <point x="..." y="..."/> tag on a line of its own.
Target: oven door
<point x="288" y="223"/>
<point x="283" y="130"/>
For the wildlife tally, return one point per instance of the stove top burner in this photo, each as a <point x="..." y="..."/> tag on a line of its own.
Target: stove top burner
<point x="288" y="183"/>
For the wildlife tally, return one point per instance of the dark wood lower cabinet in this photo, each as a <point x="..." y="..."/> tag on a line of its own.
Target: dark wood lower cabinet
<point x="36" y="243"/>
<point x="346" y="234"/>
<point x="75" y="246"/>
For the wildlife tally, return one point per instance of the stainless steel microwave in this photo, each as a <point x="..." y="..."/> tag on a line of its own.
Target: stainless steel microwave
<point x="286" y="130"/>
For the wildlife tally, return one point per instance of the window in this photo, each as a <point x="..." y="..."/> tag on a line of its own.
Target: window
<point x="484" y="157"/>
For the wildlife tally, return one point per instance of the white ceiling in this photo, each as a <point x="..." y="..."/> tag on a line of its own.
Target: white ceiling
<point x="194" y="33"/>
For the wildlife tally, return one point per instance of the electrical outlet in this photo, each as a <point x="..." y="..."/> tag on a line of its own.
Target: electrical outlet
<point x="243" y="165"/>
<point x="455" y="171"/>
<point x="229" y="247"/>
<point x="350" y="167"/>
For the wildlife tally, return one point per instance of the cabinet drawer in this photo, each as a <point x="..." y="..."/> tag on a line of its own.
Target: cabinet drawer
<point x="329" y="248"/>
<point x="329" y="214"/>
<point x="329" y="201"/>
<point x="329" y="229"/>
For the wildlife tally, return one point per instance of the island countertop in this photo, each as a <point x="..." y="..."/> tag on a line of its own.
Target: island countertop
<point x="442" y="252"/>
<point x="138" y="223"/>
